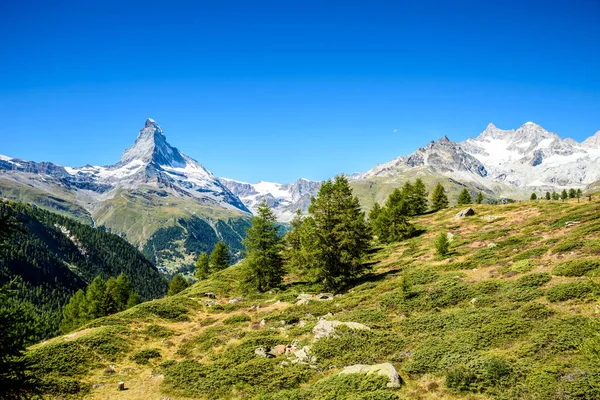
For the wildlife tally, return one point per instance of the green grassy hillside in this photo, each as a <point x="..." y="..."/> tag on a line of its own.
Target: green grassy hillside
<point x="511" y="313"/>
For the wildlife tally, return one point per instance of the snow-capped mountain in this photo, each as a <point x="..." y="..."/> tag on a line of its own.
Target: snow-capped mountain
<point x="502" y="162"/>
<point x="533" y="157"/>
<point x="593" y="142"/>
<point x="442" y="156"/>
<point x="155" y="196"/>
<point x="151" y="162"/>
<point x="284" y="199"/>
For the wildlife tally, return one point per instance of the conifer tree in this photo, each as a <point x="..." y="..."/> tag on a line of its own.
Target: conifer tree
<point x="16" y="326"/>
<point x="100" y="299"/>
<point x="555" y="196"/>
<point x="374" y="213"/>
<point x="479" y="198"/>
<point x="177" y="284"/>
<point x="292" y="253"/>
<point x="564" y="195"/>
<point x="407" y="190"/>
<point x="97" y="299"/>
<point x="579" y="193"/>
<point x="418" y="198"/>
<point x="442" y="244"/>
<point x="548" y="196"/>
<point x="335" y="237"/>
<point x="464" y="197"/>
<point x="439" y="199"/>
<point x="392" y="223"/>
<point x="263" y="267"/>
<point x="219" y="257"/>
<point x="533" y="196"/>
<point x="572" y="193"/>
<point x="202" y="266"/>
<point x="74" y="312"/>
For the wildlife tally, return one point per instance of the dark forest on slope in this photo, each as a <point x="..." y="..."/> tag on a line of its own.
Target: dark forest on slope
<point x="54" y="256"/>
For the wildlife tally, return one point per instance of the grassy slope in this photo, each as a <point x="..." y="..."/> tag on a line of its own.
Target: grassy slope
<point x="515" y="342"/>
<point x="138" y="215"/>
<point x="60" y="202"/>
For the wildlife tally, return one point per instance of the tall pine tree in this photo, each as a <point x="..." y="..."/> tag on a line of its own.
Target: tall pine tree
<point x="335" y="237"/>
<point x="219" y="257"/>
<point x="418" y="198"/>
<point x="439" y="198"/>
<point x="263" y="267"/>
<point x="464" y="197"/>
<point x="479" y="198"/>
<point x="202" y="266"/>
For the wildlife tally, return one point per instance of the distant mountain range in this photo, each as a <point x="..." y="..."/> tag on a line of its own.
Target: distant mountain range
<point x="171" y="207"/>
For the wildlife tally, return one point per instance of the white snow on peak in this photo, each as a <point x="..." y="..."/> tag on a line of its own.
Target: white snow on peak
<point x="274" y="189"/>
<point x="5" y="158"/>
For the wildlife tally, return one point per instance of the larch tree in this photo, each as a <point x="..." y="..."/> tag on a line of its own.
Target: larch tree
<point x="177" y="284"/>
<point x="263" y="267"/>
<point x="202" y="265"/>
<point x="439" y="198"/>
<point x="479" y="198"/>
<point x="219" y="257"/>
<point x="335" y="236"/>
<point x="464" y="197"/>
<point x="418" y="198"/>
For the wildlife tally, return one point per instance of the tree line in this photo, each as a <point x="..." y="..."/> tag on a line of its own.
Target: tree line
<point x="564" y="195"/>
<point x="100" y="298"/>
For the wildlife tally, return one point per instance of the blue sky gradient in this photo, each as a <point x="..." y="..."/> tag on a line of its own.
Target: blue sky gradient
<point x="281" y="90"/>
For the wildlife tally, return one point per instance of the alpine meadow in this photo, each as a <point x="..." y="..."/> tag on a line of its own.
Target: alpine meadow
<point x="461" y="261"/>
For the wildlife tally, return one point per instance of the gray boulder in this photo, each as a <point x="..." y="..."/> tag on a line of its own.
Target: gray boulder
<point x="467" y="212"/>
<point x="385" y="369"/>
<point x="326" y="328"/>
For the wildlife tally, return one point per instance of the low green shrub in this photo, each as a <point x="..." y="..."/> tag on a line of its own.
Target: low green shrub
<point x="576" y="267"/>
<point x="439" y="353"/>
<point x="533" y="280"/>
<point x="158" y="331"/>
<point x="531" y="253"/>
<point x="347" y="386"/>
<point x="76" y="357"/>
<point x="348" y="347"/>
<point x="480" y="375"/>
<point x="163" y="308"/>
<point x="142" y="357"/>
<point x="236" y="319"/>
<point x="567" y="245"/>
<point x="567" y="291"/>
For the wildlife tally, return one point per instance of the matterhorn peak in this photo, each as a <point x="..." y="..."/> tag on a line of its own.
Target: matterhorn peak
<point x="151" y="147"/>
<point x="150" y="123"/>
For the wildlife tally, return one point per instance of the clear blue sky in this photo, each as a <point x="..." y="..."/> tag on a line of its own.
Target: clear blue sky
<point x="287" y="89"/>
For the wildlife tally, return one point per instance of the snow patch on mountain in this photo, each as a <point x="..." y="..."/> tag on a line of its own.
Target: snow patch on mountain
<point x="284" y="199"/>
